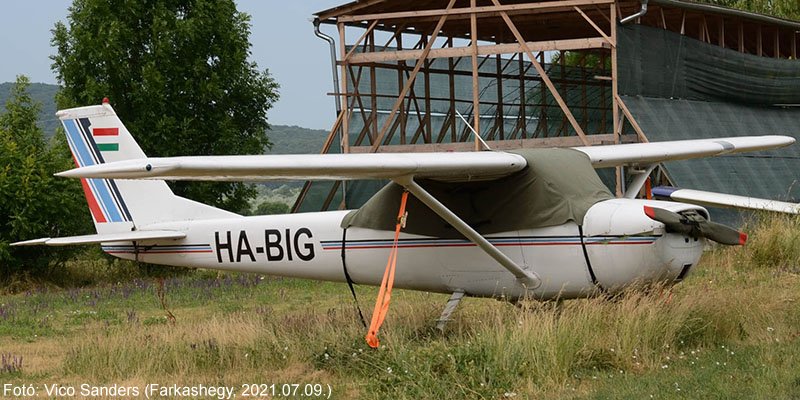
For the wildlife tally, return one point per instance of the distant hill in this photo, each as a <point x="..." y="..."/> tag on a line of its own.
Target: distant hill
<point x="285" y="139"/>
<point x="43" y="93"/>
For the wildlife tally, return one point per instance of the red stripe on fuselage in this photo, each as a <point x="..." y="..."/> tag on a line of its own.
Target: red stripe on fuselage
<point x="105" y="131"/>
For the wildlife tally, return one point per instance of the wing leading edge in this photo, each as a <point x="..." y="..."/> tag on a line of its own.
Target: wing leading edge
<point x="442" y="166"/>
<point x="463" y="166"/>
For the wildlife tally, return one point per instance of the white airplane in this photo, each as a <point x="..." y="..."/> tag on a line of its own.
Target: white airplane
<point x="531" y="223"/>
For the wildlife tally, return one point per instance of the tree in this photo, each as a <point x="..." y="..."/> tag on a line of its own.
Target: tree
<point x="34" y="203"/>
<point x="271" y="208"/>
<point x="177" y="74"/>
<point x="780" y="8"/>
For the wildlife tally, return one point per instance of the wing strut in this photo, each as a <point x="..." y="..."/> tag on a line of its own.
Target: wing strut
<point x="528" y="279"/>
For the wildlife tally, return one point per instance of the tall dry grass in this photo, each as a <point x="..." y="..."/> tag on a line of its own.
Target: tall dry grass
<point x="743" y="298"/>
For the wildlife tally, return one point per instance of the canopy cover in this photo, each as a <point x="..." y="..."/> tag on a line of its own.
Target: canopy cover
<point x="557" y="186"/>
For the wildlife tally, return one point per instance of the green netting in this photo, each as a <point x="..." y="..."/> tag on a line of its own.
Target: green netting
<point x="557" y="186"/>
<point x="589" y="101"/>
<point x="655" y="62"/>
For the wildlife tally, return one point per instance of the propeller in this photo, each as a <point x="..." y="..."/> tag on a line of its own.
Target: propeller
<point x="693" y="224"/>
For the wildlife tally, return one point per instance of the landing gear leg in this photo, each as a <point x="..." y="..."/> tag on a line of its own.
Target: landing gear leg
<point x="448" y="309"/>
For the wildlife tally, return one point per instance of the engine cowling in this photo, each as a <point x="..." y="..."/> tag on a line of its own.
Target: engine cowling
<point x="626" y="247"/>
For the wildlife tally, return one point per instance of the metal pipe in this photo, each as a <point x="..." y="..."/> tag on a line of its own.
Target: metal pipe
<point x="525" y="277"/>
<point x="336" y="94"/>
<point x="641" y="13"/>
<point x="332" y="45"/>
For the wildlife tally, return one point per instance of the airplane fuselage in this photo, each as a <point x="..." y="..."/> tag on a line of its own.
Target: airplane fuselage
<point x="614" y="248"/>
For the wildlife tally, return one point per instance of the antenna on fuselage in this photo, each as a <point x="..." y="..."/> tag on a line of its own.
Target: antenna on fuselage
<point x="478" y="137"/>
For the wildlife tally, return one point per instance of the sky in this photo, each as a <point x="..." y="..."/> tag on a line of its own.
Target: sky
<point x="282" y="38"/>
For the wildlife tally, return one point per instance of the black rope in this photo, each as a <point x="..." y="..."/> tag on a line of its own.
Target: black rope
<point x="348" y="278"/>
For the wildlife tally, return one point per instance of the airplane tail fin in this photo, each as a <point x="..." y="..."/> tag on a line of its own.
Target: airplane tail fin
<point x="95" y="136"/>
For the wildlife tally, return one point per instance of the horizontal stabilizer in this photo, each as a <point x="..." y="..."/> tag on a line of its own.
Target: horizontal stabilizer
<point x="103" y="238"/>
<point x="714" y="199"/>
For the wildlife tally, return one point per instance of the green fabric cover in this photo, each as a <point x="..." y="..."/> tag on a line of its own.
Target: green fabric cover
<point x="557" y="186"/>
<point x="654" y="62"/>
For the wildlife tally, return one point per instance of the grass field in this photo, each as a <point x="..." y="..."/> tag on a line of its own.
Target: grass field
<point x="731" y="330"/>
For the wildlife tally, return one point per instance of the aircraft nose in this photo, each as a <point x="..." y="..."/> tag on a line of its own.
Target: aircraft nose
<point x="679" y="254"/>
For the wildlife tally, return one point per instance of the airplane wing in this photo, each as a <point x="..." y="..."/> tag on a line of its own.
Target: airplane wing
<point x="453" y="166"/>
<point x="103" y="238"/>
<point x="656" y="152"/>
<point x="713" y="199"/>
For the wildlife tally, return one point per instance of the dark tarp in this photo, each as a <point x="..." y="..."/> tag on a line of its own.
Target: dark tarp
<point x="557" y="186"/>
<point x="655" y="62"/>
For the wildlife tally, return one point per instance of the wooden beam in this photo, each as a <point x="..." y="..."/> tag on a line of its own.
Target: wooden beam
<point x="347" y="9"/>
<point x="634" y="124"/>
<point x="602" y="13"/>
<point x="485" y="50"/>
<point x="358" y="42"/>
<point x="615" y="96"/>
<point x="411" y="78"/>
<point x="469" y="10"/>
<point x="476" y="105"/>
<point x="597" y="28"/>
<point x="543" y="75"/>
<point x="566" y="141"/>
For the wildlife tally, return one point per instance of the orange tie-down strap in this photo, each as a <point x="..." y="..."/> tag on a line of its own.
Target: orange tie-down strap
<point x="385" y="293"/>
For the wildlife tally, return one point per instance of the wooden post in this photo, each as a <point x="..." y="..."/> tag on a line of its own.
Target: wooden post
<point x="543" y="75"/>
<point x="401" y="73"/>
<point x="345" y="142"/>
<point x="427" y="135"/>
<point x="410" y="81"/>
<point x="373" y="91"/>
<point x="777" y="43"/>
<point x="603" y="104"/>
<point x="760" y="50"/>
<point x="522" y="95"/>
<point x="741" y="37"/>
<point x="543" y="100"/>
<point x="476" y="105"/>
<point x="615" y="94"/>
<point x="794" y="45"/>
<point x="452" y="80"/>
<point x="722" y="32"/>
<point x="499" y="120"/>
<point x="683" y="23"/>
